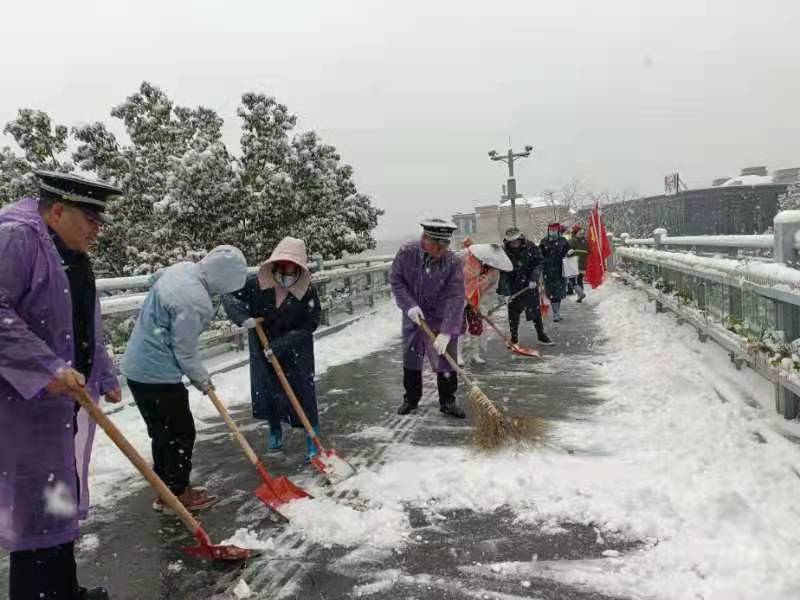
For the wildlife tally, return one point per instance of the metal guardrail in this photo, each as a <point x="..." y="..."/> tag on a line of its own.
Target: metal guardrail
<point x="116" y="297"/>
<point x="348" y="287"/>
<point x="743" y="292"/>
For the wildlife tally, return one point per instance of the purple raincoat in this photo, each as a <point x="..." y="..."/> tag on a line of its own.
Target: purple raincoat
<point x="39" y="451"/>
<point x="439" y="291"/>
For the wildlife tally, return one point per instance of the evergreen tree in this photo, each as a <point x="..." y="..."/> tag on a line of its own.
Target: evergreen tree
<point x="184" y="192"/>
<point x="42" y="145"/>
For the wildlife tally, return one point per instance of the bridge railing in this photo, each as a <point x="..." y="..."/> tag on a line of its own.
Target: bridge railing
<point x="346" y="287"/>
<point x="742" y="291"/>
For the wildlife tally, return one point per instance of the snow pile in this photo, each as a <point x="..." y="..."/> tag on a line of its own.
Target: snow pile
<point x="109" y="467"/>
<point x="244" y="538"/>
<point x="327" y="522"/>
<point x="88" y="543"/>
<point x="242" y="590"/>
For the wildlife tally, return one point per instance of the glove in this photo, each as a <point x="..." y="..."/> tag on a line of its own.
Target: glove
<point x="531" y="285"/>
<point x="415" y="314"/>
<point x="570" y="252"/>
<point x="249" y="323"/>
<point x="204" y="386"/>
<point x="440" y="343"/>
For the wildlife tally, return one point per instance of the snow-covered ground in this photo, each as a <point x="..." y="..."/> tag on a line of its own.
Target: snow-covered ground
<point x="112" y="475"/>
<point x="686" y="457"/>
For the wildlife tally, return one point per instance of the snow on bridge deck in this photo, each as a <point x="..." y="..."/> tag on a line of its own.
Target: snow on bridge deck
<point x="661" y="476"/>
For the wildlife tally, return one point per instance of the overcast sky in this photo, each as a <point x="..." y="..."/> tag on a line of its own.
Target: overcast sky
<point x="414" y="94"/>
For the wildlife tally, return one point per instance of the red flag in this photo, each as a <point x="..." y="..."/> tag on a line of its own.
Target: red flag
<point x="599" y="248"/>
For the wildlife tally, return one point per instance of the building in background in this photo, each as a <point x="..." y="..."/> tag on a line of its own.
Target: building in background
<point x="489" y="222"/>
<point x="744" y="204"/>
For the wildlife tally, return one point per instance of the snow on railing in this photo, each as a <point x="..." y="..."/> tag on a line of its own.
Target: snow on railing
<point x="764" y="266"/>
<point x="344" y="270"/>
<point x="777" y="281"/>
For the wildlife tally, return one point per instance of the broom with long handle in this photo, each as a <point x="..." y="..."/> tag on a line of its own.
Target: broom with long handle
<point x="492" y="428"/>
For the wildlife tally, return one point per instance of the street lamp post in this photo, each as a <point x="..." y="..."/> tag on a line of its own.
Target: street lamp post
<point x="511" y="190"/>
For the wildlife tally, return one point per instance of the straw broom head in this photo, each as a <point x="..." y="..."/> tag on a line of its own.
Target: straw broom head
<point x="494" y="430"/>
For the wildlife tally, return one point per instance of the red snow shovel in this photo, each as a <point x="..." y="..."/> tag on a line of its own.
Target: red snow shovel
<point x="204" y="549"/>
<point x="335" y="468"/>
<point x="275" y="492"/>
<point x="515" y="348"/>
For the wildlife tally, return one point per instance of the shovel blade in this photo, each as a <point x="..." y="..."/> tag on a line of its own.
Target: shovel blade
<point x="333" y="466"/>
<point x="208" y="551"/>
<point x="219" y="552"/>
<point x="278" y="492"/>
<point x="523" y="351"/>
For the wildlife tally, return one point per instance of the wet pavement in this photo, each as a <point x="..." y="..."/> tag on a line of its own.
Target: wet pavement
<point x="138" y="556"/>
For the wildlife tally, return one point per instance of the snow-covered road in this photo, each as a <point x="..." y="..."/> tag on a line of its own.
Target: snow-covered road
<point x="666" y="474"/>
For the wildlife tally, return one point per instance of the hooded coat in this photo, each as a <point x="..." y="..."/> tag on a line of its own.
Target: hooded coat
<point x="290" y="317"/>
<point x="43" y="459"/>
<point x="164" y="344"/>
<point x="437" y="287"/>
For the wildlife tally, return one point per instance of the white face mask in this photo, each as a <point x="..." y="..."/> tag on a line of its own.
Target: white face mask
<point x="286" y="280"/>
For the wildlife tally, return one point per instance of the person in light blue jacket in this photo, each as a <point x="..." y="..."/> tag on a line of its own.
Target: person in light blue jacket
<point x="163" y="348"/>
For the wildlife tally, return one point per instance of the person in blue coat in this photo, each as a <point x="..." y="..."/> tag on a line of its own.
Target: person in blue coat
<point x="163" y="348"/>
<point x="282" y="296"/>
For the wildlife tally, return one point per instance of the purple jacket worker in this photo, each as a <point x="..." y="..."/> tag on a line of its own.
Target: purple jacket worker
<point x="51" y="345"/>
<point x="428" y="283"/>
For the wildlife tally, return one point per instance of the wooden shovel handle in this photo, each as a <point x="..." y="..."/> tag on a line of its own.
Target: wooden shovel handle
<point x="248" y="449"/>
<point x="449" y="358"/>
<point x="141" y="465"/>
<point x="298" y="409"/>
<point x="491" y="324"/>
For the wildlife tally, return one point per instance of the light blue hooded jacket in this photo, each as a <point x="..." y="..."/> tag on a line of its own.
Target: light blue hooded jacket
<point x="164" y="342"/>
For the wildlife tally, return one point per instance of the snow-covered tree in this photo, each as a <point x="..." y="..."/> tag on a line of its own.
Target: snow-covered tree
<point x="184" y="192"/>
<point x="151" y="227"/>
<point x="299" y="186"/>
<point x="16" y="177"/>
<point x="42" y="145"/>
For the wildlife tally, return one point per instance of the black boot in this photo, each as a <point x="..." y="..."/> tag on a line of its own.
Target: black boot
<point x="406" y="407"/>
<point x="412" y="383"/>
<point x="540" y="334"/>
<point x="97" y="593"/>
<point x="448" y="385"/>
<point x="452" y="409"/>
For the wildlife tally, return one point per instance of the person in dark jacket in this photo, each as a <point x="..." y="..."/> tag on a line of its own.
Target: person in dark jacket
<point x="579" y="248"/>
<point x="282" y="295"/>
<point x="522" y="281"/>
<point x="554" y="249"/>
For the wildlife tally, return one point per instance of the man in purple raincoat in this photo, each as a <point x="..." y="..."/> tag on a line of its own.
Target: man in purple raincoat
<point x="51" y="347"/>
<point x="428" y="283"/>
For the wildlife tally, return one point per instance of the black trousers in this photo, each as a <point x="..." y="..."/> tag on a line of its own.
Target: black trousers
<point x="446" y="382"/>
<point x="45" y="574"/>
<point x="529" y="304"/>
<point x="170" y="425"/>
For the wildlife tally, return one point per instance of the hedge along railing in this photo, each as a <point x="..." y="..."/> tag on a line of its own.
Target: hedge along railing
<point x="345" y="287"/>
<point x="741" y="291"/>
